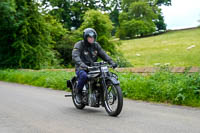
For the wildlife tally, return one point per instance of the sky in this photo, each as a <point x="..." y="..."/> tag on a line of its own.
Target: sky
<point x="182" y="14"/>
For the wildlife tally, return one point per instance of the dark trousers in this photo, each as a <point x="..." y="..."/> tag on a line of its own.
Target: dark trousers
<point x="82" y="79"/>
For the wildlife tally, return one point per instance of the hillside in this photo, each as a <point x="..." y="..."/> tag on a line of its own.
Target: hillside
<point x="176" y="48"/>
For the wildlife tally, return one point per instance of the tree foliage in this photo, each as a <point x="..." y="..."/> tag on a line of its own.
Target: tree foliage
<point x="71" y="12"/>
<point x="141" y="11"/>
<point x="25" y="41"/>
<point x="136" y="11"/>
<point x="103" y="26"/>
<point x="137" y="21"/>
<point x="160" y="23"/>
<point x="126" y="3"/>
<point x="163" y="2"/>
<point x="154" y="5"/>
<point x="135" y="28"/>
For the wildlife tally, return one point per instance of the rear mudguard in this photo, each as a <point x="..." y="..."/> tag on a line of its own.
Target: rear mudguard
<point x="70" y="83"/>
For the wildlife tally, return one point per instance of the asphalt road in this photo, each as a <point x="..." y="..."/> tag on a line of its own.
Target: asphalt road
<point x="27" y="109"/>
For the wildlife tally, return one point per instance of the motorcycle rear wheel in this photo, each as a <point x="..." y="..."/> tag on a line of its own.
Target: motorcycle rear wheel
<point x="74" y="99"/>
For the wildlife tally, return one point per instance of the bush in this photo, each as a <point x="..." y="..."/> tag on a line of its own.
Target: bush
<point x="181" y="89"/>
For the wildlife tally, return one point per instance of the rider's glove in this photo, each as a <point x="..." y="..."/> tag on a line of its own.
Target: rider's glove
<point x="83" y="66"/>
<point x="113" y="64"/>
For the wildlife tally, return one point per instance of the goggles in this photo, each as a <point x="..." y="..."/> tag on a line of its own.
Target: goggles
<point x="91" y="34"/>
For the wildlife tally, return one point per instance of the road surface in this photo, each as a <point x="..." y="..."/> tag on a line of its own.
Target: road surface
<point x="28" y="109"/>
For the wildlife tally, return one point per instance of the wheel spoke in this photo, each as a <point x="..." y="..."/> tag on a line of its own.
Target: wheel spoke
<point x="111" y="98"/>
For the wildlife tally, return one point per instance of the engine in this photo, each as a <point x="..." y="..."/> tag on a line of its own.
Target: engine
<point x="93" y="99"/>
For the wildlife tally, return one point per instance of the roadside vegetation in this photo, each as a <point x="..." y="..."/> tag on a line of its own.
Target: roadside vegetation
<point x="43" y="78"/>
<point x="162" y="86"/>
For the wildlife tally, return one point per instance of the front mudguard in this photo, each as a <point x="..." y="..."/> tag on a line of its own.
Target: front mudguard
<point x="113" y="80"/>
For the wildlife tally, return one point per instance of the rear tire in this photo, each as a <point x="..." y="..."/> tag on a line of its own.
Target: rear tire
<point x="113" y="99"/>
<point x="76" y="104"/>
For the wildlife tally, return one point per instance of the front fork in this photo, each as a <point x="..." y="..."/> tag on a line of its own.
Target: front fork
<point x="103" y="93"/>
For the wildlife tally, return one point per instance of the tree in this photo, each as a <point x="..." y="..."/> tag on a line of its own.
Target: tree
<point x="137" y="21"/>
<point x="71" y="12"/>
<point x="155" y="5"/>
<point x="25" y="40"/>
<point x="62" y="42"/>
<point x="141" y="11"/>
<point x="163" y="2"/>
<point x="114" y="12"/>
<point x="160" y="23"/>
<point x="126" y="3"/>
<point x="61" y="11"/>
<point x="135" y="28"/>
<point x="7" y="30"/>
<point x="103" y="26"/>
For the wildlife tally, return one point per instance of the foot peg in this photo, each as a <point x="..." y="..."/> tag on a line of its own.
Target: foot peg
<point x="68" y="95"/>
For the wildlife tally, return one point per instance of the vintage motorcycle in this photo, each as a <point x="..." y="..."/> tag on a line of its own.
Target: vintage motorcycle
<point x="102" y="88"/>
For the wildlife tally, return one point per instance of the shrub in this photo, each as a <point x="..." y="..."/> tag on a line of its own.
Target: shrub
<point x="182" y="89"/>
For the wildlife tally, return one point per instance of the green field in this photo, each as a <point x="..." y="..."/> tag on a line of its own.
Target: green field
<point x="168" y="48"/>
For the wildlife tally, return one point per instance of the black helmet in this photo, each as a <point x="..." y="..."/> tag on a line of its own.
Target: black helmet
<point x="89" y="32"/>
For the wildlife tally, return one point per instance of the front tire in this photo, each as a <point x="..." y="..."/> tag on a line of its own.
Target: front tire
<point x="113" y="99"/>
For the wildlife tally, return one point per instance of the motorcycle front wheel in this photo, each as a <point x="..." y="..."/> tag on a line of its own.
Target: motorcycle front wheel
<point x="113" y="99"/>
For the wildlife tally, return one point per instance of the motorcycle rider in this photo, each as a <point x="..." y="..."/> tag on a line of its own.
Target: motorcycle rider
<point x="84" y="54"/>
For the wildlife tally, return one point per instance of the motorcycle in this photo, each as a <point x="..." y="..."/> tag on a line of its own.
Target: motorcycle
<point x="102" y="89"/>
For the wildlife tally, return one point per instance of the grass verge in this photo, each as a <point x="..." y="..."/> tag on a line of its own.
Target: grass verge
<point x="43" y="78"/>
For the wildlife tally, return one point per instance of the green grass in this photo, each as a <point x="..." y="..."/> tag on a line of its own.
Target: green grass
<point x="163" y="86"/>
<point x="43" y="78"/>
<point x="170" y="47"/>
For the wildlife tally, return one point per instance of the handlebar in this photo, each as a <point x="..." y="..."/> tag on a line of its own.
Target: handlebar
<point x="100" y="63"/>
<point x="97" y="65"/>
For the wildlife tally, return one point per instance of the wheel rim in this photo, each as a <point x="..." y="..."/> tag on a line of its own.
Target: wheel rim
<point x="75" y="100"/>
<point x="74" y="96"/>
<point x="111" y="97"/>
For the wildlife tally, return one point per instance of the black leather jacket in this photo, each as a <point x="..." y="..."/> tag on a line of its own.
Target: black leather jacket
<point x="88" y="53"/>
